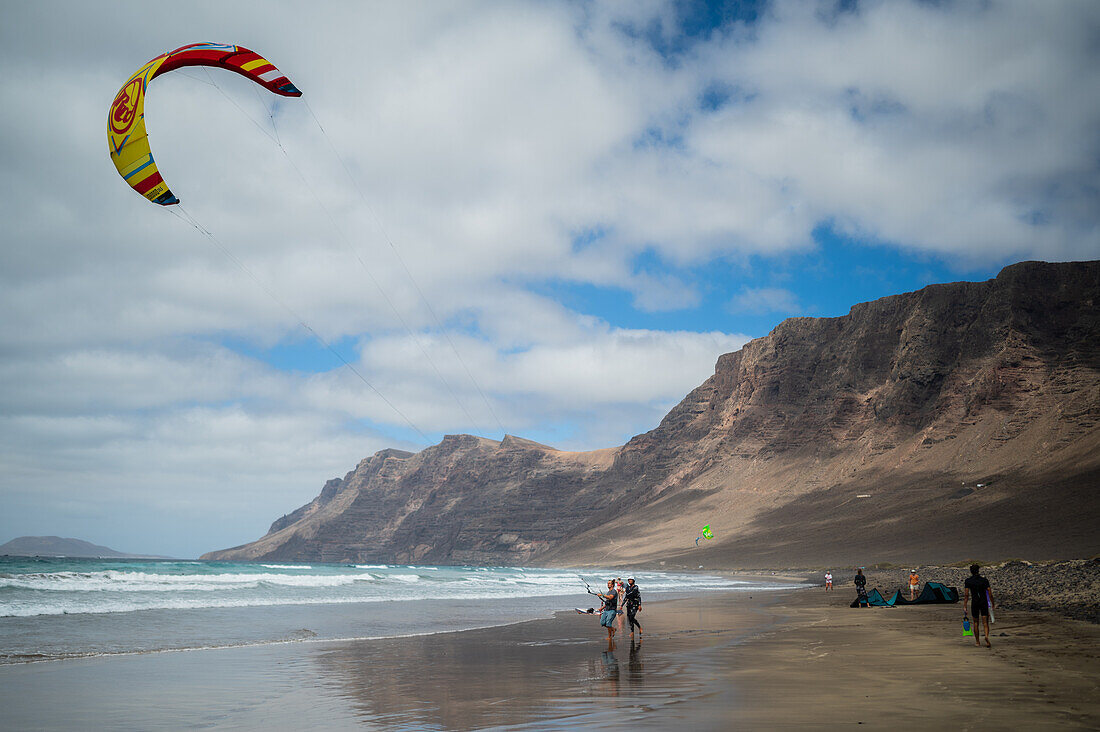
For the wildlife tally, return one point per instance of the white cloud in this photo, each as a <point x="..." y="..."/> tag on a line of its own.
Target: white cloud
<point x="940" y="129"/>
<point x="482" y="140"/>
<point x="765" y="300"/>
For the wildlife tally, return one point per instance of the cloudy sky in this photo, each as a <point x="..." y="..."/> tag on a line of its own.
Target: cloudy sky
<point x="540" y="218"/>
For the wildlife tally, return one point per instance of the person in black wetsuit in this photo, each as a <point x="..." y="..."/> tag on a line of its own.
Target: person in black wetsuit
<point x="633" y="602"/>
<point x="980" y="596"/>
<point x="861" y="589"/>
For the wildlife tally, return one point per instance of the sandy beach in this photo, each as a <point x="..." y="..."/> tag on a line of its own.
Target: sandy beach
<point x="825" y="664"/>
<point x="798" y="658"/>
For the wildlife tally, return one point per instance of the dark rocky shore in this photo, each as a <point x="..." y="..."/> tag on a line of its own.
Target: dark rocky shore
<point x="1069" y="588"/>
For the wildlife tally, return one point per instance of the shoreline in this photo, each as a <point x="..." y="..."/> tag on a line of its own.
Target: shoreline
<point x="769" y="659"/>
<point x="209" y="629"/>
<point x="84" y="610"/>
<point x="543" y="672"/>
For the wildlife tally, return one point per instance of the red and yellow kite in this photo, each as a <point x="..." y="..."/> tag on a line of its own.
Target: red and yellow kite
<point x="126" y="121"/>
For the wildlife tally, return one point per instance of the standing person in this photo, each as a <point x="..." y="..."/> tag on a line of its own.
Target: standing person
<point x="620" y="590"/>
<point x="861" y="588"/>
<point x="980" y="596"/>
<point x="828" y="581"/>
<point x="914" y="582"/>
<point x="633" y="598"/>
<point x="608" y="611"/>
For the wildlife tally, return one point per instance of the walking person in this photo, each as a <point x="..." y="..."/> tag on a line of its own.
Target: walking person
<point x="980" y="596"/>
<point x="633" y="599"/>
<point x="914" y="582"/>
<point x="828" y="581"/>
<point x="861" y="588"/>
<point x="608" y="611"/>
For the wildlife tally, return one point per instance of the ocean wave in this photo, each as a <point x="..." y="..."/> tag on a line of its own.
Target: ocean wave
<point x="163" y="603"/>
<point x="260" y="597"/>
<point x="113" y="581"/>
<point x="287" y="566"/>
<point x="95" y="588"/>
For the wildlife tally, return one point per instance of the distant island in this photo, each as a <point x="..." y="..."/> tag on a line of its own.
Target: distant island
<point x="56" y="546"/>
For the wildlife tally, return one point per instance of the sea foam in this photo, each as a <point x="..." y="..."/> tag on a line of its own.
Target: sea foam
<point x="82" y="587"/>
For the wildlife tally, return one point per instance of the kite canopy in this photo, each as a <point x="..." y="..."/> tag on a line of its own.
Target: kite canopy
<point x="126" y="133"/>
<point x="932" y="594"/>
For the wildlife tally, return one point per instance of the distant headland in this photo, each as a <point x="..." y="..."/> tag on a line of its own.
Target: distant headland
<point x="56" y="546"/>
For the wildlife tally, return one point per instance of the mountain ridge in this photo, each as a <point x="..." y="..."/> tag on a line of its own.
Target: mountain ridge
<point x="908" y="397"/>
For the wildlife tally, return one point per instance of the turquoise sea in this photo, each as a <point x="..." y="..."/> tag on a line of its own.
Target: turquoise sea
<point x="54" y="608"/>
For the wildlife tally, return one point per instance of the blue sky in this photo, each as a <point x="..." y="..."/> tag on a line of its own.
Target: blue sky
<point x="547" y="219"/>
<point x="752" y="296"/>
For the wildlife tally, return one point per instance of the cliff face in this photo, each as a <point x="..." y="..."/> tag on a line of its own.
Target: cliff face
<point x="826" y="440"/>
<point x="465" y="500"/>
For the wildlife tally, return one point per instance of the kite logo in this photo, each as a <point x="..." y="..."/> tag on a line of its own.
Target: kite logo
<point x="125" y="106"/>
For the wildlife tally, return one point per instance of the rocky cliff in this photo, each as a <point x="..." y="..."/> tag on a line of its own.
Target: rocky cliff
<point x="957" y="421"/>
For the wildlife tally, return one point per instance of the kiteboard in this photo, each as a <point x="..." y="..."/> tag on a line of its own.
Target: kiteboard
<point x="967" y="629"/>
<point x="582" y="611"/>
<point x="989" y="605"/>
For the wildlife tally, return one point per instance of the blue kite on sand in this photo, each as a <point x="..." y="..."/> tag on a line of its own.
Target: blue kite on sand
<point x="933" y="593"/>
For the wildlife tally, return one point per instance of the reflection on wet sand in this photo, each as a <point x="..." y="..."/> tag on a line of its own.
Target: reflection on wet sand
<point x="634" y="666"/>
<point x="551" y="673"/>
<point x="611" y="673"/>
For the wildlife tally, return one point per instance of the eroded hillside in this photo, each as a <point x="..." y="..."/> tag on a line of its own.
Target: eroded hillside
<point x="830" y="440"/>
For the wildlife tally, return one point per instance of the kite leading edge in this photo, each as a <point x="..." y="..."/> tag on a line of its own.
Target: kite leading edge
<point x="126" y="135"/>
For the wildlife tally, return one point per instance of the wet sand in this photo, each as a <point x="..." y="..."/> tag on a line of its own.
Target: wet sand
<point x="556" y="673"/>
<point x="779" y="659"/>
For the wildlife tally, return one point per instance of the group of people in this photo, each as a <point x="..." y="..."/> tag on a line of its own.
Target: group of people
<point x="628" y="597"/>
<point x="861" y="584"/>
<point x="977" y="596"/>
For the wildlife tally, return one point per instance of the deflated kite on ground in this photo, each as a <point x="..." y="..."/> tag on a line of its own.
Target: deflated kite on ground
<point x="932" y="594"/>
<point x="126" y="133"/>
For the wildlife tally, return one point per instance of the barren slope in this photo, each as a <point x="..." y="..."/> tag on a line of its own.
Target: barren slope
<point x="910" y="401"/>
